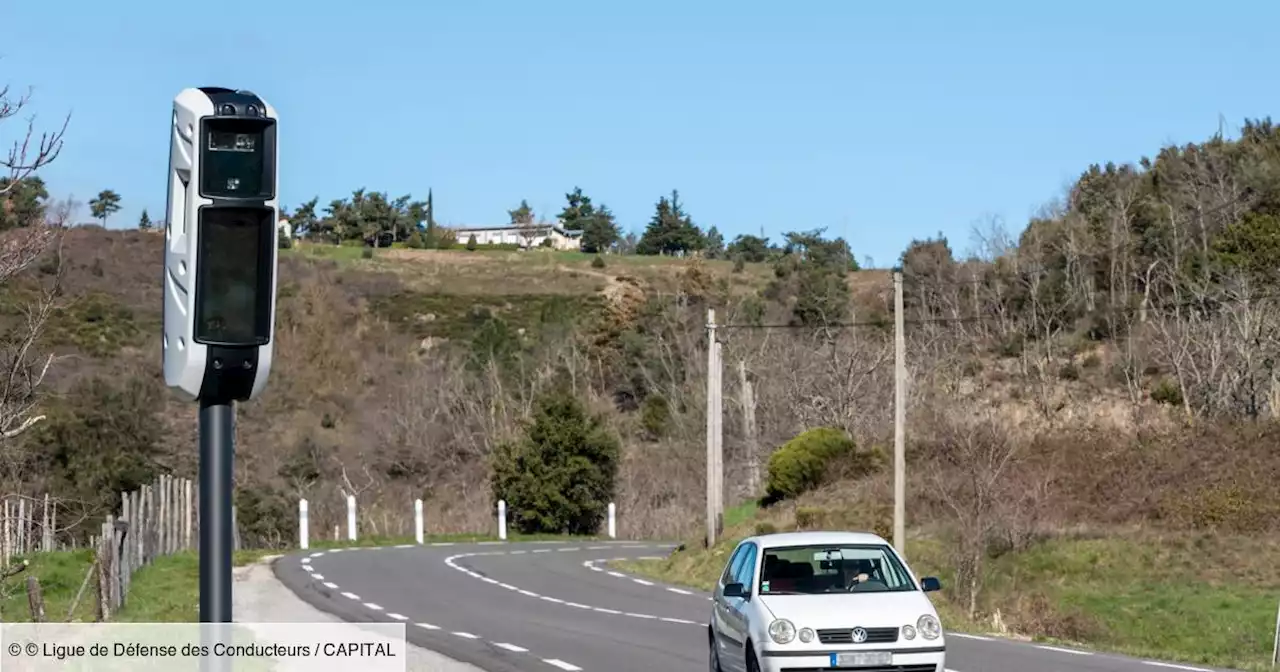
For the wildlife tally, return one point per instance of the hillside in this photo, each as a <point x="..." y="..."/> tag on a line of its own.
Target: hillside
<point x="1106" y="371"/>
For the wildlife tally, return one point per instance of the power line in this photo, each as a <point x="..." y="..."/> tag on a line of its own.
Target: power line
<point x="887" y="319"/>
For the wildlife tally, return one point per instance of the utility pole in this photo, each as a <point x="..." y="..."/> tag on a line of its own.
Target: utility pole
<point x="747" y="396"/>
<point x="899" y="419"/>
<point x="711" y="427"/>
<point x="719" y="437"/>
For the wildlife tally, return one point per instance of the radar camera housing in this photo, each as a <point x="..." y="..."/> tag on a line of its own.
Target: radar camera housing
<point x="220" y="245"/>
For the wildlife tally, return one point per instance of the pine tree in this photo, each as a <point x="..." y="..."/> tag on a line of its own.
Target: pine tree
<point x="144" y="222"/>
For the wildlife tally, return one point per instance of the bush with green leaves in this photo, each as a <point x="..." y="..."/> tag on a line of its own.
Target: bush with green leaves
<point x="559" y="477"/>
<point x="816" y="457"/>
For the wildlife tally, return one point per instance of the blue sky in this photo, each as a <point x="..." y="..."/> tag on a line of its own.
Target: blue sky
<point x="881" y="121"/>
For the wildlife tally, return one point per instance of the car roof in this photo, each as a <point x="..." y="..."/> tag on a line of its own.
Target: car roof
<point x="817" y="538"/>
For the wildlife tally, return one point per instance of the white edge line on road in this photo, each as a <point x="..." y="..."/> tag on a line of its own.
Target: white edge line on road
<point x="305" y="562"/>
<point x="1175" y="666"/>
<point x="1046" y="647"/>
<point x="431" y="627"/>
<point x="451" y="562"/>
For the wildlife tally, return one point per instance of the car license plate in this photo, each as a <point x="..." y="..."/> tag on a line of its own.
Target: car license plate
<point x="861" y="659"/>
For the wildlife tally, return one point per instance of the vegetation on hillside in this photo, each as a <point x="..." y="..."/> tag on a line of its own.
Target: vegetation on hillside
<point x="1111" y="365"/>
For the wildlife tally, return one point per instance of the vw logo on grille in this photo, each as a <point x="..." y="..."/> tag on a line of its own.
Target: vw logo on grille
<point x="859" y="635"/>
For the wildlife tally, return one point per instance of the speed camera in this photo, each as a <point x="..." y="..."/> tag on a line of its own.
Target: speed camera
<point x="220" y="245"/>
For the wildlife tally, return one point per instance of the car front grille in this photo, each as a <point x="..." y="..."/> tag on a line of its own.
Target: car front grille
<point x="845" y="636"/>
<point x="917" y="667"/>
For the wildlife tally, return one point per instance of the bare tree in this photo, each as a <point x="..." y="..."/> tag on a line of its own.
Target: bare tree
<point x="973" y="455"/>
<point x="23" y="369"/>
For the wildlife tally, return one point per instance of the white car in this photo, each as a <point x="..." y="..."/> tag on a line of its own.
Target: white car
<point x="811" y="601"/>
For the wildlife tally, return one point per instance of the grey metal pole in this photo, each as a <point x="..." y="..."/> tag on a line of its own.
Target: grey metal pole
<point x="217" y="451"/>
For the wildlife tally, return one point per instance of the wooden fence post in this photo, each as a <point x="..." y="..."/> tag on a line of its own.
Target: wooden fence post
<point x="35" y="601"/>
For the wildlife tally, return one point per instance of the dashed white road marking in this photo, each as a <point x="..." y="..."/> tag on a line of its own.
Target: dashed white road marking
<point x="305" y="563"/>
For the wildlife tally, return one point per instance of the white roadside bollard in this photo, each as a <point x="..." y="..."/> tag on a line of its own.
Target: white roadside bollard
<point x="502" y="520"/>
<point x="613" y="521"/>
<point x="1275" y="648"/>
<point x="351" y="517"/>
<point x="303" y="525"/>
<point x="418" y="532"/>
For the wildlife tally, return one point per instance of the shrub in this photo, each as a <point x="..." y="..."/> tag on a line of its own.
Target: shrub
<point x="598" y="262"/>
<point x="366" y="253"/>
<point x="101" y="439"/>
<point x="559" y="477"/>
<point x="655" y="416"/>
<point x="809" y="518"/>
<point x="471" y="243"/>
<point x="739" y="264"/>
<point x="285" y="242"/>
<point x="815" y="457"/>
<point x="1167" y="392"/>
<point x="416" y="241"/>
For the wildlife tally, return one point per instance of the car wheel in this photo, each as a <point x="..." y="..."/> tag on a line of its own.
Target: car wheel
<point x="715" y="652"/>
<point x="752" y="665"/>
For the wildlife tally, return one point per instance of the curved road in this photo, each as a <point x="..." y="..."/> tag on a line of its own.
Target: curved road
<point x="542" y="606"/>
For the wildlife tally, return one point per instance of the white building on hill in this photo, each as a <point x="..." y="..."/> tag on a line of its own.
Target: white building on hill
<point x="527" y="237"/>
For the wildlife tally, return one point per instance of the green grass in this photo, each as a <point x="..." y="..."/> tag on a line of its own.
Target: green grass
<point x="60" y="575"/>
<point x="1194" y="599"/>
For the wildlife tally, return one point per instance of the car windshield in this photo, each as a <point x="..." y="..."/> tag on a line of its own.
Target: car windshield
<point x="840" y="568"/>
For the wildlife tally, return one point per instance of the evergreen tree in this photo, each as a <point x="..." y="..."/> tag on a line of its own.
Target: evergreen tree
<point x="671" y="230"/>
<point x="144" y="222"/>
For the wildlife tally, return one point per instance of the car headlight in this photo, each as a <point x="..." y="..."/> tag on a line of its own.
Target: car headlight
<point x="782" y="631"/>
<point x="929" y="627"/>
<point x="908" y="632"/>
<point x="806" y="635"/>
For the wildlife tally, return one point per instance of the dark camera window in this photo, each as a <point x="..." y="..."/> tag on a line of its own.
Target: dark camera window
<point x="234" y="159"/>
<point x="233" y="298"/>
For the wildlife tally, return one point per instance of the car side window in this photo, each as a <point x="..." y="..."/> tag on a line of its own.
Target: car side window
<point x="731" y="567"/>
<point x="745" y="572"/>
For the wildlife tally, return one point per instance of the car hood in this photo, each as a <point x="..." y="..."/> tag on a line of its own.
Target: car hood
<point x="846" y="610"/>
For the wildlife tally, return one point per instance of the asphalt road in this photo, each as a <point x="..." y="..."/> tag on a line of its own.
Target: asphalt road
<point x="542" y="606"/>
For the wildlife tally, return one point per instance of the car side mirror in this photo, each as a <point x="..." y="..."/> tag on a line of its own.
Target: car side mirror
<point x="735" y="590"/>
<point x="930" y="583"/>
